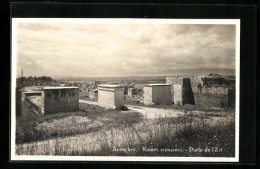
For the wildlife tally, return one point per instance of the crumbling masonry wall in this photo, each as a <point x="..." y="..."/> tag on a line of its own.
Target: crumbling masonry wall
<point x="157" y="94"/>
<point x="59" y="99"/>
<point x="213" y="91"/>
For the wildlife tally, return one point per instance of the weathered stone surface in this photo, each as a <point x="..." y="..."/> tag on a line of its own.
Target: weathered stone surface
<point x="111" y="96"/>
<point x="178" y="91"/>
<point x="214" y="85"/>
<point x="59" y="99"/>
<point x="157" y="94"/>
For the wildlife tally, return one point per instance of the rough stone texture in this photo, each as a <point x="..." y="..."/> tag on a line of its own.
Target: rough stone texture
<point x="211" y="100"/>
<point x="111" y="96"/>
<point x="93" y="93"/>
<point x="195" y="81"/>
<point x="205" y="90"/>
<point x="215" y="90"/>
<point x="60" y="99"/>
<point x="157" y="94"/>
<point x="213" y="85"/>
<point x="186" y="90"/>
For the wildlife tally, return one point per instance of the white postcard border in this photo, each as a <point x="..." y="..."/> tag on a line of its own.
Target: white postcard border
<point x="15" y="21"/>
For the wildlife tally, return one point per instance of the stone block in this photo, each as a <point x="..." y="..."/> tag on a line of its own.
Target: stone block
<point x="111" y="96"/>
<point x="157" y="94"/>
<point x="59" y="99"/>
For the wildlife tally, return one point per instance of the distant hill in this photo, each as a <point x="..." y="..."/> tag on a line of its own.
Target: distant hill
<point x="190" y="72"/>
<point x="183" y="72"/>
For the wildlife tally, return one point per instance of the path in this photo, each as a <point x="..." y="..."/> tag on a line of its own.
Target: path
<point x="88" y="102"/>
<point x="147" y="112"/>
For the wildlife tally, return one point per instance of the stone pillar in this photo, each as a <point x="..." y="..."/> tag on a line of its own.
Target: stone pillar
<point x="183" y="89"/>
<point x="59" y="99"/>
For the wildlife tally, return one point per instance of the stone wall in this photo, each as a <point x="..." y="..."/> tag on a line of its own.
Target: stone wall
<point x="195" y="81"/>
<point x="157" y="94"/>
<point x="184" y="93"/>
<point x="201" y="89"/>
<point x="215" y="90"/>
<point x="60" y="99"/>
<point x="111" y="96"/>
<point x="213" y="85"/>
<point x="211" y="100"/>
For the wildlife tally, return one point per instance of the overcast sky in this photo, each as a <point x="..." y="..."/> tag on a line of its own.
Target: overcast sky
<point x="78" y="49"/>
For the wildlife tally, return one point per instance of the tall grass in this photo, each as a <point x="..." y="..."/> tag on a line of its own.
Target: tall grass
<point x="179" y="135"/>
<point x="37" y="128"/>
<point x="174" y="135"/>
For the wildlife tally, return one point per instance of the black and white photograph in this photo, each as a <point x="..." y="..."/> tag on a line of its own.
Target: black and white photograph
<point x="112" y="89"/>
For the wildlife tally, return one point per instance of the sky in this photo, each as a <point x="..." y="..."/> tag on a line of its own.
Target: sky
<point x="93" y="50"/>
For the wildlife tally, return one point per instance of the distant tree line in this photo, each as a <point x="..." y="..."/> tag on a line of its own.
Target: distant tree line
<point x="28" y="81"/>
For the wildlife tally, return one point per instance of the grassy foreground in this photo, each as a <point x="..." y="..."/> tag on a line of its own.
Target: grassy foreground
<point x="108" y="133"/>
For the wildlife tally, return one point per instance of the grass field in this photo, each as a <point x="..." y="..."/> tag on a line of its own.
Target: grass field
<point x="31" y="127"/>
<point x="96" y="131"/>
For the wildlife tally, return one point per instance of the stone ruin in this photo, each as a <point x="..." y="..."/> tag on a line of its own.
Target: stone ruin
<point x="203" y="90"/>
<point x="59" y="99"/>
<point x="52" y="100"/>
<point x="181" y="91"/>
<point x="157" y="94"/>
<point x="111" y="96"/>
